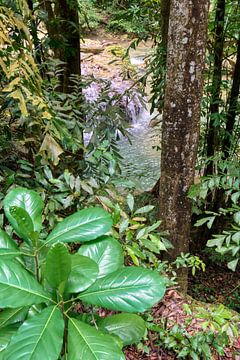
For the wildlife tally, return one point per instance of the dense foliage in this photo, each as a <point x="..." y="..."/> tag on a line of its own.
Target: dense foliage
<point x="64" y="245"/>
<point x="42" y="284"/>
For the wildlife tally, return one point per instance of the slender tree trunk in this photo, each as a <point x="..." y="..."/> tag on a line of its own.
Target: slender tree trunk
<point x="36" y="41"/>
<point x="232" y="106"/>
<point x="213" y="133"/>
<point x="51" y="22"/>
<point x="68" y="28"/>
<point x="181" y="119"/>
<point x="165" y="13"/>
<point x="63" y="30"/>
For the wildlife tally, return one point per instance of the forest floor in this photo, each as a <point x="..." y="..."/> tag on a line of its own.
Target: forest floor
<point x="217" y="284"/>
<point x="172" y="309"/>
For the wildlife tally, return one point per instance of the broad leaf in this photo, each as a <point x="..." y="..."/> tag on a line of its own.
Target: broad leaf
<point x="130" y="289"/>
<point x="28" y="200"/>
<point x="129" y="327"/>
<point x="12" y="316"/>
<point x="233" y="264"/>
<point x="6" y="242"/>
<point x="87" y="343"/>
<point x="83" y="226"/>
<point x="9" y="254"/>
<point x="130" y="202"/>
<point x="6" y="334"/>
<point x="144" y="209"/>
<point x="38" y="338"/>
<point x="58" y="266"/>
<point x="83" y="274"/>
<point x="24" y="223"/>
<point x="18" y="287"/>
<point x="106" y="252"/>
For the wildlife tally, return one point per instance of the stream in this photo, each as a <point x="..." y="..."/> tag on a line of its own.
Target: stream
<point x="141" y="158"/>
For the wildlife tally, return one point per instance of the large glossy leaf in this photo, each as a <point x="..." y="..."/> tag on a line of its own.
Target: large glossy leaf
<point x="106" y="252"/>
<point x="83" y="274"/>
<point x="24" y="224"/>
<point x="129" y="327"/>
<point x="18" y="287"/>
<point x="12" y="316"/>
<point x="130" y="289"/>
<point x="38" y="338"/>
<point x="87" y="343"/>
<point x="6" y="242"/>
<point x="58" y="266"/>
<point x="83" y="226"/>
<point x="6" y="334"/>
<point x="9" y="254"/>
<point x="29" y="201"/>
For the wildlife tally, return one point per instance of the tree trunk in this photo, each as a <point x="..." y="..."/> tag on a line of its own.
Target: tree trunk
<point x="165" y="13"/>
<point x="213" y="133"/>
<point x="181" y="119"/>
<point x="36" y="41"/>
<point x="232" y="106"/>
<point x="68" y="28"/>
<point x="63" y="31"/>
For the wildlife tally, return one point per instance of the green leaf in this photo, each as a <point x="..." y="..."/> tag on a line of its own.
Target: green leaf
<point x="106" y="252"/>
<point x="129" y="289"/>
<point x="24" y="223"/>
<point x="233" y="264"/>
<point x="9" y="254"/>
<point x="6" y="334"/>
<point x="6" y="242"/>
<point x="83" y="274"/>
<point x="12" y="316"/>
<point x="130" y="202"/>
<point x="18" y="287"/>
<point x="28" y="200"/>
<point x="144" y="209"/>
<point x="236" y="217"/>
<point x="129" y="327"/>
<point x="38" y="338"/>
<point x="85" y="225"/>
<point x="58" y="266"/>
<point x="87" y="343"/>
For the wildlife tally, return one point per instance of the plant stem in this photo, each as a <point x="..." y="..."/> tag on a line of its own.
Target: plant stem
<point x="37" y="267"/>
<point x="65" y="336"/>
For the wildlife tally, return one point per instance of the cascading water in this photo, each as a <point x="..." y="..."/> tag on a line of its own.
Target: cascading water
<point x="141" y="157"/>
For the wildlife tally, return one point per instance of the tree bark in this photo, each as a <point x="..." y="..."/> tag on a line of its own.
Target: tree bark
<point x="212" y="131"/>
<point x="68" y="28"/>
<point x="181" y="119"/>
<point x="63" y="30"/>
<point x="165" y="13"/>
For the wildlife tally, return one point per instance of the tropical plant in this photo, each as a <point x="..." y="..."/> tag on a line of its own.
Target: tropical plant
<point x="217" y="330"/>
<point x="45" y="289"/>
<point x="141" y="238"/>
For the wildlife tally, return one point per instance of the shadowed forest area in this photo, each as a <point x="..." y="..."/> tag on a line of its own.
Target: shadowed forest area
<point x="119" y="179"/>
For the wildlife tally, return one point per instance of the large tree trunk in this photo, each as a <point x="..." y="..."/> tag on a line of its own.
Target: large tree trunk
<point x="181" y="119"/>
<point x="213" y="128"/>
